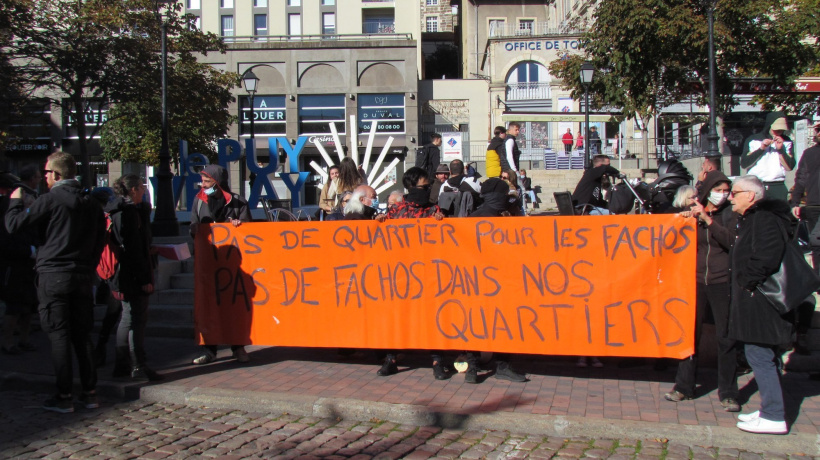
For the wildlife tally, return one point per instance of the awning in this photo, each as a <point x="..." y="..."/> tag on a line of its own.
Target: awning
<point x="556" y="116"/>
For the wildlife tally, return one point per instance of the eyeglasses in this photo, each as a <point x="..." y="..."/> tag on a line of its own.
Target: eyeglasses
<point x="735" y="192"/>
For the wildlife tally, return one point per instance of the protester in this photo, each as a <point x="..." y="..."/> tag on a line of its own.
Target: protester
<point x="525" y="184"/>
<point x="496" y="156"/>
<point x="567" y="139"/>
<point x="429" y="156"/>
<point x="685" y="197"/>
<point x="495" y="202"/>
<point x="594" y="141"/>
<point x="807" y="183"/>
<point x="709" y="164"/>
<point x="769" y="154"/>
<point x="716" y="233"/>
<point x="363" y="204"/>
<point x="327" y="199"/>
<point x="18" y="288"/>
<point x="349" y="177"/>
<point x="394" y="197"/>
<point x="416" y="204"/>
<point x="442" y="174"/>
<point x="72" y="224"/>
<point x="515" y="202"/>
<point x="761" y="239"/>
<point x="511" y="146"/>
<point x="589" y="192"/>
<point x="459" y="196"/>
<point x="337" y="213"/>
<point x="133" y="279"/>
<point x="216" y="203"/>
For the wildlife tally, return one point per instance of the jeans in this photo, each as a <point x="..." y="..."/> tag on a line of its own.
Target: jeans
<point x="131" y="331"/>
<point x="716" y="298"/>
<point x="766" y="366"/>
<point x="67" y="316"/>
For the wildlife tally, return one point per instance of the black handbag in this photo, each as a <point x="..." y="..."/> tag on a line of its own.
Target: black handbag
<point x="792" y="283"/>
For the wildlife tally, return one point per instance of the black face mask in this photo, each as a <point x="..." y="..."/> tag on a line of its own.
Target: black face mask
<point x="419" y="196"/>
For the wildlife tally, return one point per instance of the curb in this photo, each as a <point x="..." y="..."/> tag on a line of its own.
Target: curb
<point x="549" y="425"/>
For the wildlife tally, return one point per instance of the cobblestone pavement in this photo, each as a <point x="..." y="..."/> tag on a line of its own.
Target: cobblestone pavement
<point x="152" y="431"/>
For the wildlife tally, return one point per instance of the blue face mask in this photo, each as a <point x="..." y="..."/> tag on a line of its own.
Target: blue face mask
<point x="375" y="203"/>
<point x="210" y="191"/>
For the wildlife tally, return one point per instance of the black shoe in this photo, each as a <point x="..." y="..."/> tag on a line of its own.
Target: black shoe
<point x="471" y="376"/>
<point x="59" y="404"/>
<point x="388" y="368"/>
<point x="144" y="372"/>
<point x="89" y="400"/>
<point x="505" y="372"/>
<point x="730" y="405"/>
<point x="439" y="372"/>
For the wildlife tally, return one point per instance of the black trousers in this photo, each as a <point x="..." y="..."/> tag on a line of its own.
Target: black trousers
<point x="67" y="315"/>
<point x="131" y="331"/>
<point x="716" y="298"/>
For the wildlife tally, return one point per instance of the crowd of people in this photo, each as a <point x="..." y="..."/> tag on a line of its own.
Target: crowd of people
<point x="743" y="226"/>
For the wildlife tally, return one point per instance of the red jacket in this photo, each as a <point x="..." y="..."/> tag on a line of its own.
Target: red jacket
<point x="567" y="138"/>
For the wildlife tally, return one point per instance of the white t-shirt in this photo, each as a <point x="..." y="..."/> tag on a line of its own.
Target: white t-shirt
<point x="768" y="167"/>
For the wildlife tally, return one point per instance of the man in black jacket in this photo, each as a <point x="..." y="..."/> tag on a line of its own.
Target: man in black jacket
<point x="430" y="155"/>
<point x="589" y="190"/>
<point x="73" y="224"/>
<point x="762" y="235"/>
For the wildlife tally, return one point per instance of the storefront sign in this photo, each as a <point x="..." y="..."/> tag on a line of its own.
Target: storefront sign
<point x="593" y="286"/>
<point x="538" y="45"/>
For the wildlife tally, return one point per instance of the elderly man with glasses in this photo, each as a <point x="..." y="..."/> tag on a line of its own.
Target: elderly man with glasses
<point x="762" y="235"/>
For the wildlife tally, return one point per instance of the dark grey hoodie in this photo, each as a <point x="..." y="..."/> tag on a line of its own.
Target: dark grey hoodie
<point x="74" y="224"/>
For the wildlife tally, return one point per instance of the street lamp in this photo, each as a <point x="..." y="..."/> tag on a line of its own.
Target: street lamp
<point x="587" y="72"/>
<point x="165" y="217"/>
<point x="249" y="79"/>
<point x="713" y="136"/>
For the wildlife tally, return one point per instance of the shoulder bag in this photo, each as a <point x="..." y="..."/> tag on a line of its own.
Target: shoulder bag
<point x="792" y="283"/>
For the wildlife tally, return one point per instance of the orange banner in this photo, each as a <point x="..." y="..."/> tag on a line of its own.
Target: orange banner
<point x="587" y="285"/>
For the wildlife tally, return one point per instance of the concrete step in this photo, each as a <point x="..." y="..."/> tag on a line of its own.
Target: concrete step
<point x="183" y="314"/>
<point x="170" y="330"/>
<point x="182" y="281"/>
<point x="172" y="297"/>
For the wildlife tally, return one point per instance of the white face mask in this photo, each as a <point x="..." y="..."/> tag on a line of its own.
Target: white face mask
<point x="210" y="191"/>
<point x="718" y="198"/>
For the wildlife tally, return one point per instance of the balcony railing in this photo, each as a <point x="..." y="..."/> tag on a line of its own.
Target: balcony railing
<point x="538" y="28"/>
<point x="528" y="91"/>
<point x="310" y="38"/>
<point x="379" y="27"/>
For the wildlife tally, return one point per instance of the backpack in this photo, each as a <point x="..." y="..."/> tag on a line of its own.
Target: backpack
<point x="110" y="257"/>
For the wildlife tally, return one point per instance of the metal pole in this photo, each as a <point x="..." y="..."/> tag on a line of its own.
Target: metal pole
<point x="713" y="137"/>
<point x="587" y="140"/>
<point x="165" y="218"/>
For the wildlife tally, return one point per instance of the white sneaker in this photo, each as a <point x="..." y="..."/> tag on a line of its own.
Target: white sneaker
<point x="749" y="417"/>
<point x="763" y="426"/>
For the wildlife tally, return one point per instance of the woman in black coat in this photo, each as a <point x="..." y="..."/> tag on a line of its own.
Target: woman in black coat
<point x="716" y="232"/>
<point x="133" y="280"/>
<point x="761" y="241"/>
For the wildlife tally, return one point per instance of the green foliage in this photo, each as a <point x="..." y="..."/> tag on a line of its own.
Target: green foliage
<point x="198" y="98"/>
<point x="653" y="53"/>
<point x="108" y="50"/>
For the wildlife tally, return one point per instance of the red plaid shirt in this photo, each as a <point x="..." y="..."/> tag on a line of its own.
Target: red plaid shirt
<point x="409" y="210"/>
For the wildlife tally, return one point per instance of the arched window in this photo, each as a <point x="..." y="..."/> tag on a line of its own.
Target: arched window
<point x="528" y="80"/>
